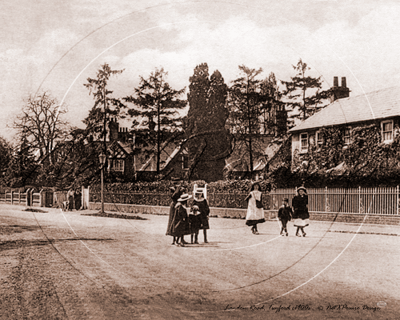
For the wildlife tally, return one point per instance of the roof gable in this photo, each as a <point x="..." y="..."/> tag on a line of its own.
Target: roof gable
<point x="375" y="105"/>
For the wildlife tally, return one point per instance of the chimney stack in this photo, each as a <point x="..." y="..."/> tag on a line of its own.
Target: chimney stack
<point x="339" y="92"/>
<point x="344" y="82"/>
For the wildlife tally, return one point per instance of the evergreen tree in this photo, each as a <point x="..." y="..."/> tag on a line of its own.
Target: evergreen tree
<point x="273" y="109"/>
<point x="5" y="158"/>
<point x="158" y="104"/>
<point x="105" y="106"/>
<point x="297" y="89"/>
<point x="247" y="103"/>
<point x="208" y="141"/>
<point x="23" y="167"/>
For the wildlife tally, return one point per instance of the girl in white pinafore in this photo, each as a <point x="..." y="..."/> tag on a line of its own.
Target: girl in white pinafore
<point x="255" y="210"/>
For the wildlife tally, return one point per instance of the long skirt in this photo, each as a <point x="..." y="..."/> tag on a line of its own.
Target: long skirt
<point x="301" y="222"/>
<point x="170" y="219"/>
<point x="254" y="222"/>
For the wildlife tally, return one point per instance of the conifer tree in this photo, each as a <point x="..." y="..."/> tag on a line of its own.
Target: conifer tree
<point x="158" y="104"/>
<point x="209" y="142"/>
<point x="297" y="91"/>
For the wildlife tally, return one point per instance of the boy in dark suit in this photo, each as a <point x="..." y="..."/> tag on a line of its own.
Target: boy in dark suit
<point x="284" y="215"/>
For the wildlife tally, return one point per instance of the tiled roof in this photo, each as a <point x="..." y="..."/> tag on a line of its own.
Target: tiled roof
<point x="375" y="105"/>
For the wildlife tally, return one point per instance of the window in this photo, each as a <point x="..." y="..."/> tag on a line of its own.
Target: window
<point x="185" y="161"/>
<point x="387" y="131"/>
<point x="347" y="136"/>
<point x="304" y="142"/>
<point x="319" y="138"/>
<point x="117" y="165"/>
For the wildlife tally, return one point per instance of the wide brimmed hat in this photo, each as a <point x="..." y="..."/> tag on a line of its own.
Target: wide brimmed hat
<point x="285" y="199"/>
<point x="302" y="188"/>
<point x="184" y="197"/>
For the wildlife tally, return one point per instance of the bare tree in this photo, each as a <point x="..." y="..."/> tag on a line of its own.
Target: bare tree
<point x="40" y="124"/>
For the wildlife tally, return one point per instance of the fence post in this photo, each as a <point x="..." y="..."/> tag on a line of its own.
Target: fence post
<point x="359" y="200"/>
<point x="326" y="199"/>
<point x="397" y="200"/>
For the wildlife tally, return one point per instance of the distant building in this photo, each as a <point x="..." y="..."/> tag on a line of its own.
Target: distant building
<point x="380" y="107"/>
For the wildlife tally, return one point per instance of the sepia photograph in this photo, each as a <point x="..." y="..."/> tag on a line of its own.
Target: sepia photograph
<point x="190" y="159"/>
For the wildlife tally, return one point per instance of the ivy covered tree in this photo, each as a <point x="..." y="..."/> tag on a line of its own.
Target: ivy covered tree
<point x="158" y="105"/>
<point x="208" y="141"/>
<point x="304" y="92"/>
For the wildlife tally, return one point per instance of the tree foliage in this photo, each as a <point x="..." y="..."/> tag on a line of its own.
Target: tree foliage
<point x="105" y="105"/>
<point x="209" y="142"/>
<point x="247" y="104"/>
<point x="158" y="105"/>
<point x="297" y="92"/>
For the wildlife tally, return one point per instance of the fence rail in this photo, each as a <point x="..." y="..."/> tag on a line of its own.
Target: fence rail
<point x="22" y="198"/>
<point x="377" y="201"/>
<point x="381" y="201"/>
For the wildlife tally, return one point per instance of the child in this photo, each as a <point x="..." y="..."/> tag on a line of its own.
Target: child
<point x="200" y="201"/>
<point x="195" y="224"/>
<point x="284" y="215"/>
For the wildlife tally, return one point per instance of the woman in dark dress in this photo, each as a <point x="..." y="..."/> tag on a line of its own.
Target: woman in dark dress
<point x="177" y="192"/>
<point x="202" y="203"/>
<point x="180" y="222"/>
<point x="300" y="211"/>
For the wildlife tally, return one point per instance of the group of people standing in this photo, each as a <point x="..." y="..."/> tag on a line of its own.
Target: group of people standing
<point x="184" y="219"/>
<point x="300" y="214"/>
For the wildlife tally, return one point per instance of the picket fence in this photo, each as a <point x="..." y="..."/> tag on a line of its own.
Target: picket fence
<point x="376" y="201"/>
<point x="380" y="200"/>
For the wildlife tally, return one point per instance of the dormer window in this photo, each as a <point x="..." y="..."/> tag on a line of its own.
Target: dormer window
<point x="387" y="131"/>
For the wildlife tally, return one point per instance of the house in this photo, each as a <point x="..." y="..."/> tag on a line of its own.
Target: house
<point x="380" y="108"/>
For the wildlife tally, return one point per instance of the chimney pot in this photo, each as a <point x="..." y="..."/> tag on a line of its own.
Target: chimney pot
<point x="335" y="82"/>
<point x="344" y="82"/>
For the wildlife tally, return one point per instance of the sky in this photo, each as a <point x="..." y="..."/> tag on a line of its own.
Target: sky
<point x="54" y="46"/>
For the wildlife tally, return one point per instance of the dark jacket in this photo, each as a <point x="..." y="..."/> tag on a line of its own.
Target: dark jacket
<point x="180" y="223"/>
<point x="285" y="213"/>
<point x="175" y="196"/>
<point x="300" y="207"/>
<point x="204" y="212"/>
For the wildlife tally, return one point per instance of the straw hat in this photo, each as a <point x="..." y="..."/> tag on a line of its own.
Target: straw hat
<point x="184" y="197"/>
<point x="302" y="188"/>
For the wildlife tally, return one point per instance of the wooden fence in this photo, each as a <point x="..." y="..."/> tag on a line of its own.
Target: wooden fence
<point x="27" y="198"/>
<point x="381" y="200"/>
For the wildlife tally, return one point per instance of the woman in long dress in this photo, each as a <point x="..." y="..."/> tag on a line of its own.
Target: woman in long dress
<point x="177" y="192"/>
<point x="255" y="210"/>
<point x="300" y="211"/>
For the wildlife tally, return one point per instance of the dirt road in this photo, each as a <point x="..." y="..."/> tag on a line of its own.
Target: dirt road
<point x="58" y="265"/>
